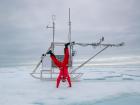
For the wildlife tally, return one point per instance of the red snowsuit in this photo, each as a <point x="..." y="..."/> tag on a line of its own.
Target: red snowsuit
<point x="63" y="66"/>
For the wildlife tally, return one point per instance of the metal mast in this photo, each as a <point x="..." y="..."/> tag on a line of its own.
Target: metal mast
<point x="69" y="34"/>
<point x="69" y="39"/>
<point x="53" y="27"/>
<point x="52" y="44"/>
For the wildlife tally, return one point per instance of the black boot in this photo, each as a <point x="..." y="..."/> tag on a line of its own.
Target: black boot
<point x="49" y="52"/>
<point x="66" y="45"/>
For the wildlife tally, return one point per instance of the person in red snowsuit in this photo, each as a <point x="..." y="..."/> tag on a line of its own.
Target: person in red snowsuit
<point x="62" y="65"/>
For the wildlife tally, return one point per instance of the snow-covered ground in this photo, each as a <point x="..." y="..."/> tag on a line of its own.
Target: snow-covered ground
<point x="107" y="85"/>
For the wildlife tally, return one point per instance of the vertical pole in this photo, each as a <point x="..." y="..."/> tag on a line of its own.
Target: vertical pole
<point x="69" y="38"/>
<point x="52" y="44"/>
<point x="53" y="23"/>
<point x="53" y="18"/>
<point x="69" y="35"/>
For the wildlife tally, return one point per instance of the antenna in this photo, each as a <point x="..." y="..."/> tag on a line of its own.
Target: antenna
<point x="69" y="39"/>
<point x="69" y="34"/>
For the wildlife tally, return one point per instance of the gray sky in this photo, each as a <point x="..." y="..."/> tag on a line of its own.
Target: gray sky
<point x="23" y="36"/>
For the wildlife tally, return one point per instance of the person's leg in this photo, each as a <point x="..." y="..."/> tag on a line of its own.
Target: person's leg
<point x="66" y="53"/>
<point x="54" y="59"/>
<point x="66" y="56"/>
<point x="69" y="81"/>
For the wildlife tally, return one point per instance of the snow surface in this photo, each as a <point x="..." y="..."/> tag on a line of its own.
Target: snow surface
<point x="98" y="86"/>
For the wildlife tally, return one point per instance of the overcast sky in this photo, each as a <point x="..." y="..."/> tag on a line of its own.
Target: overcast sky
<point x="24" y="37"/>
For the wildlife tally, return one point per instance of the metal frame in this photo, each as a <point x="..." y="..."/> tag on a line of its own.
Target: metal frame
<point x="74" y="76"/>
<point x="51" y="72"/>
